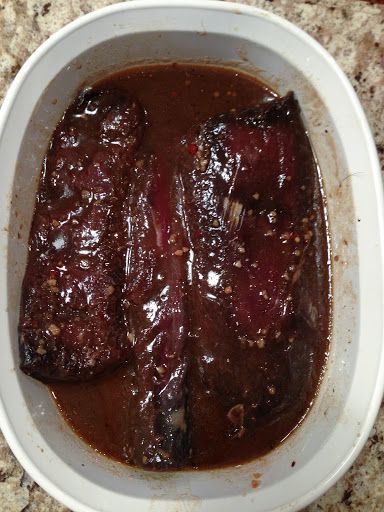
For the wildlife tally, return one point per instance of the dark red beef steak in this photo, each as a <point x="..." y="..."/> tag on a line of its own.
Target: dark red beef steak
<point x="71" y="324"/>
<point x="249" y="206"/>
<point x="156" y="314"/>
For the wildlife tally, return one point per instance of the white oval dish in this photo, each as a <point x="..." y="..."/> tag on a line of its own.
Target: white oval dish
<point x="330" y="438"/>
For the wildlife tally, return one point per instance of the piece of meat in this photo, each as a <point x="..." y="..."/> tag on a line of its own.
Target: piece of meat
<point x="249" y="210"/>
<point x="72" y="324"/>
<point x="155" y="303"/>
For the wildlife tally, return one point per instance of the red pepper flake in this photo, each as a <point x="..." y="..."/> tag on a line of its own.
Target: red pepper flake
<point x="197" y="235"/>
<point x="53" y="274"/>
<point x="192" y="149"/>
<point x="173" y="94"/>
<point x="256" y="480"/>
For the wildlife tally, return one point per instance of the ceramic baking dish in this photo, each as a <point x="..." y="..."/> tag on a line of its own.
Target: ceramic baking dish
<point x="328" y="441"/>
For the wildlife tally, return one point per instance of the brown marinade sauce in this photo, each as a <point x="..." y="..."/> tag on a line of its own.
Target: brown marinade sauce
<point x="177" y="298"/>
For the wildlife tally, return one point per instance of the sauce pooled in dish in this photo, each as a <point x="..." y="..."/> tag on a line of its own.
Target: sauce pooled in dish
<point x="176" y="296"/>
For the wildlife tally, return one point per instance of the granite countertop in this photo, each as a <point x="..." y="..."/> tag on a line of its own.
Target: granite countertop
<point x="353" y="32"/>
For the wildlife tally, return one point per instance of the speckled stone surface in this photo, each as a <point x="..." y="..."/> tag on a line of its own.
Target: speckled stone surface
<point x="353" y="32"/>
